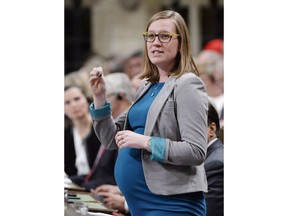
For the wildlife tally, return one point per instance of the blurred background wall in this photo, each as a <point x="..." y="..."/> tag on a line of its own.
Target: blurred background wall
<point x="107" y="28"/>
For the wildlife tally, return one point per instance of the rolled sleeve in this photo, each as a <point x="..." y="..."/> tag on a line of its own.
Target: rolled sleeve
<point x="99" y="113"/>
<point x="158" y="148"/>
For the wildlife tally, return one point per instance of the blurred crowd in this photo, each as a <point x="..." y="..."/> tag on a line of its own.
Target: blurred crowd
<point x="209" y="61"/>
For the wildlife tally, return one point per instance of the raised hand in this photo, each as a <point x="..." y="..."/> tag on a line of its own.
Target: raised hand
<point x="97" y="85"/>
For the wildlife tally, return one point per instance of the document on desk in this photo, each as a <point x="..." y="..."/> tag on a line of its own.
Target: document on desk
<point x="93" y="205"/>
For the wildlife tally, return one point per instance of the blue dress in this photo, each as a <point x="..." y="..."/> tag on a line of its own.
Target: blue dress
<point x="130" y="178"/>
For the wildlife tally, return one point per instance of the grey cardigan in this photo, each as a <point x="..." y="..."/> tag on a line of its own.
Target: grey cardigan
<point x="179" y="115"/>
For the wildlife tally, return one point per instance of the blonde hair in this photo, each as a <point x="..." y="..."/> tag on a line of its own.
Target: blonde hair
<point x="81" y="79"/>
<point x="184" y="62"/>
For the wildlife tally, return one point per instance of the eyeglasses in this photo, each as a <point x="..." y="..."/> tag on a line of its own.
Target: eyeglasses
<point x="164" y="37"/>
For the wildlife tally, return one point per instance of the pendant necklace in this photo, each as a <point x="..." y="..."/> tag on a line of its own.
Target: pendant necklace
<point x="155" y="88"/>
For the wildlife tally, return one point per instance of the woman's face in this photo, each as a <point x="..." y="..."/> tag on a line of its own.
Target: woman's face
<point x="163" y="55"/>
<point x="76" y="105"/>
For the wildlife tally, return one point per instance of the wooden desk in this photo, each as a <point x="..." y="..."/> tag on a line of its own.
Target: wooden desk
<point x="75" y="197"/>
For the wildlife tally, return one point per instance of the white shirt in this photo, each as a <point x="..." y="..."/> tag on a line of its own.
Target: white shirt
<point x="212" y="141"/>
<point x="81" y="157"/>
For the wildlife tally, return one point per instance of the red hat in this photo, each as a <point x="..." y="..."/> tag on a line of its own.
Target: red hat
<point x="215" y="45"/>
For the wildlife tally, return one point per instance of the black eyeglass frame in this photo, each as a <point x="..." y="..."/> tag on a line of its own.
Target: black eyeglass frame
<point x="146" y="36"/>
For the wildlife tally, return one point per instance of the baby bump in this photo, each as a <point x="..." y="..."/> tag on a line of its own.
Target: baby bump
<point x="129" y="171"/>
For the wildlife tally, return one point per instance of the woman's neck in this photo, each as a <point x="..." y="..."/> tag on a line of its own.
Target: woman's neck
<point x="163" y="75"/>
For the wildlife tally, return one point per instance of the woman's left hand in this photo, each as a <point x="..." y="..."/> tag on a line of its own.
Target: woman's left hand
<point x="131" y="139"/>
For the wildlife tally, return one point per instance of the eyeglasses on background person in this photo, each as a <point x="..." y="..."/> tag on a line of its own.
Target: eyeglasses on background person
<point x="164" y="37"/>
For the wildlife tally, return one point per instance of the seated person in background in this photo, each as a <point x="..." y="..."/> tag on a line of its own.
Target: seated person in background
<point x="82" y="146"/>
<point x="136" y="82"/>
<point x="214" y="166"/>
<point x="120" y="92"/>
<point x="112" y="198"/>
<point x="211" y="69"/>
<point x="134" y="64"/>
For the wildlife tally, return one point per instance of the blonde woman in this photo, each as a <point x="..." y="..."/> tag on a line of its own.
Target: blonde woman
<point x="84" y="161"/>
<point x="162" y="139"/>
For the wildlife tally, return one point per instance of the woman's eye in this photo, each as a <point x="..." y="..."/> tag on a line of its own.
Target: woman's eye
<point x="76" y="98"/>
<point x="150" y="35"/>
<point x="165" y="36"/>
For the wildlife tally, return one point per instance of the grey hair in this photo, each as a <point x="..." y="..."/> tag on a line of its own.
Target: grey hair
<point x="119" y="83"/>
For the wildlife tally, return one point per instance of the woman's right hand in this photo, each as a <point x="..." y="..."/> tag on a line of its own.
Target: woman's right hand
<point x="97" y="85"/>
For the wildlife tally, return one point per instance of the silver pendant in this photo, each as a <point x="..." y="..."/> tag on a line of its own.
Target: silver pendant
<point x="152" y="94"/>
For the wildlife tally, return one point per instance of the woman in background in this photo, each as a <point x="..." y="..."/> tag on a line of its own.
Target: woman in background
<point x="86" y="162"/>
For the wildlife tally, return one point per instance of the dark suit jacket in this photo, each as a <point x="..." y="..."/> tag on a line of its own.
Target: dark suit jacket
<point x="104" y="172"/>
<point x="214" y="167"/>
<point x="92" y="147"/>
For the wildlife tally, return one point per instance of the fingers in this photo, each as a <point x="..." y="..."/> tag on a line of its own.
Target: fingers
<point x="93" y="190"/>
<point x="120" y="139"/>
<point x="112" y="201"/>
<point x="107" y="198"/>
<point x="104" y="188"/>
<point x="104" y="194"/>
<point x="122" y="135"/>
<point x="95" y="75"/>
<point x="96" y="72"/>
<point x="125" y="138"/>
<point x="121" y="143"/>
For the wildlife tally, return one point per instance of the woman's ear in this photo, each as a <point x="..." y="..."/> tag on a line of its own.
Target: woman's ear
<point x="212" y="130"/>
